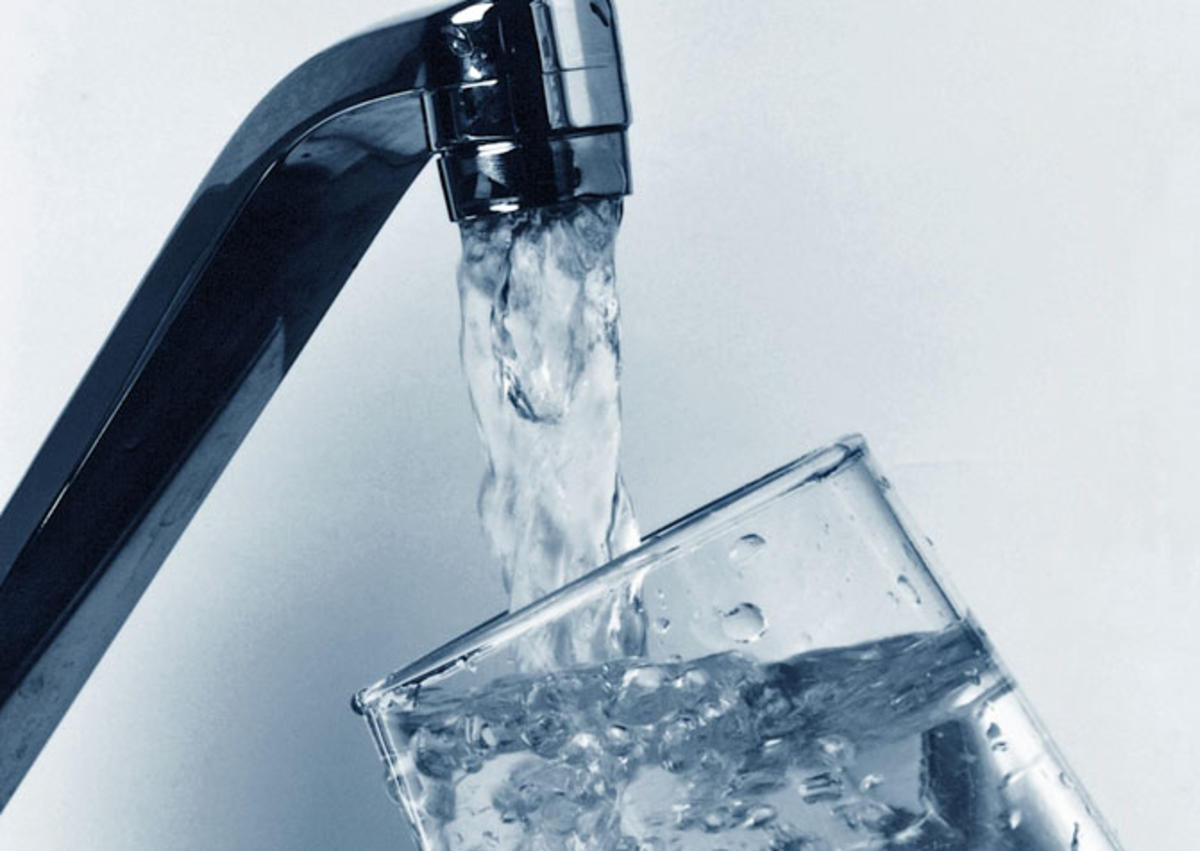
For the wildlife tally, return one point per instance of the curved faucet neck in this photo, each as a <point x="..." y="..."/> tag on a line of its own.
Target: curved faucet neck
<point x="523" y="99"/>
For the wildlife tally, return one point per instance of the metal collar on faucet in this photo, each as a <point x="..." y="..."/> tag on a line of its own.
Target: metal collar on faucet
<point x="528" y="105"/>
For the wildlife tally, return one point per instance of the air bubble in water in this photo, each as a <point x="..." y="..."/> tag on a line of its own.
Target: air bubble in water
<point x="837" y="749"/>
<point x="825" y="786"/>
<point x="647" y="677"/>
<point x="746" y="548"/>
<point x="619" y="739"/>
<point x="744" y="623"/>
<point x="759" y="815"/>
<point x="870" y="781"/>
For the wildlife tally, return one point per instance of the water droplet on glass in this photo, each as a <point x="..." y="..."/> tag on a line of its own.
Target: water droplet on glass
<point x="993" y="731"/>
<point x="744" y="623"/>
<point x="907" y="585"/>
<point x="662" y="624"/>
<point x="599" y="13"/>
<point x="746" y="548"/>
<point x="1014" y="819"/>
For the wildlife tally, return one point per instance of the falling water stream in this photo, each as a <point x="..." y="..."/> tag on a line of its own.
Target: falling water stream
<point x="541" y="351"/>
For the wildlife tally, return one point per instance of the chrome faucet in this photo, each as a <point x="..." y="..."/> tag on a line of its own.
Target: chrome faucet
<point x="523" y="104"/>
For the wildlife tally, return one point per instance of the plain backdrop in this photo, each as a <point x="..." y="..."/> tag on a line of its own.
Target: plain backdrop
<point x="966" y="230"/>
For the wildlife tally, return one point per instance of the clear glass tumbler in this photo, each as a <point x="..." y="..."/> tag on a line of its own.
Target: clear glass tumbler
<point x="806" y="682"/>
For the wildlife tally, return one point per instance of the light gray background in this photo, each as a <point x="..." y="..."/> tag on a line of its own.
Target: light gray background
<point x="968" y="230"/>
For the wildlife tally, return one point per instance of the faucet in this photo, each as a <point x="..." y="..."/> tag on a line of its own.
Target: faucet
<point x="523" y="104"/>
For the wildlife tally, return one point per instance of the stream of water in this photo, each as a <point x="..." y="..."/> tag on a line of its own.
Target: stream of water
<point x="542" y="356"/>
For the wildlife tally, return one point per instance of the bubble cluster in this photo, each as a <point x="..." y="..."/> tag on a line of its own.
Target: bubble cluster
<point x="717" y="754"/>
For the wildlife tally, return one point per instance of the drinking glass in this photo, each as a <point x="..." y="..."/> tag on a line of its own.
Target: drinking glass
<point x="801" y="678"/>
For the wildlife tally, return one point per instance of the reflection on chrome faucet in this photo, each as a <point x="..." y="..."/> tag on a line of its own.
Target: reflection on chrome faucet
<point x="522" y="101"/>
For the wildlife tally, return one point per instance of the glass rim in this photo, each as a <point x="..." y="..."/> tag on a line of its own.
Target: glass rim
<point x="656" y="548"/>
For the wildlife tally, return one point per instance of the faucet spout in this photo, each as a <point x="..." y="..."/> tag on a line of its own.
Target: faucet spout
<point x="522" y="102"/>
